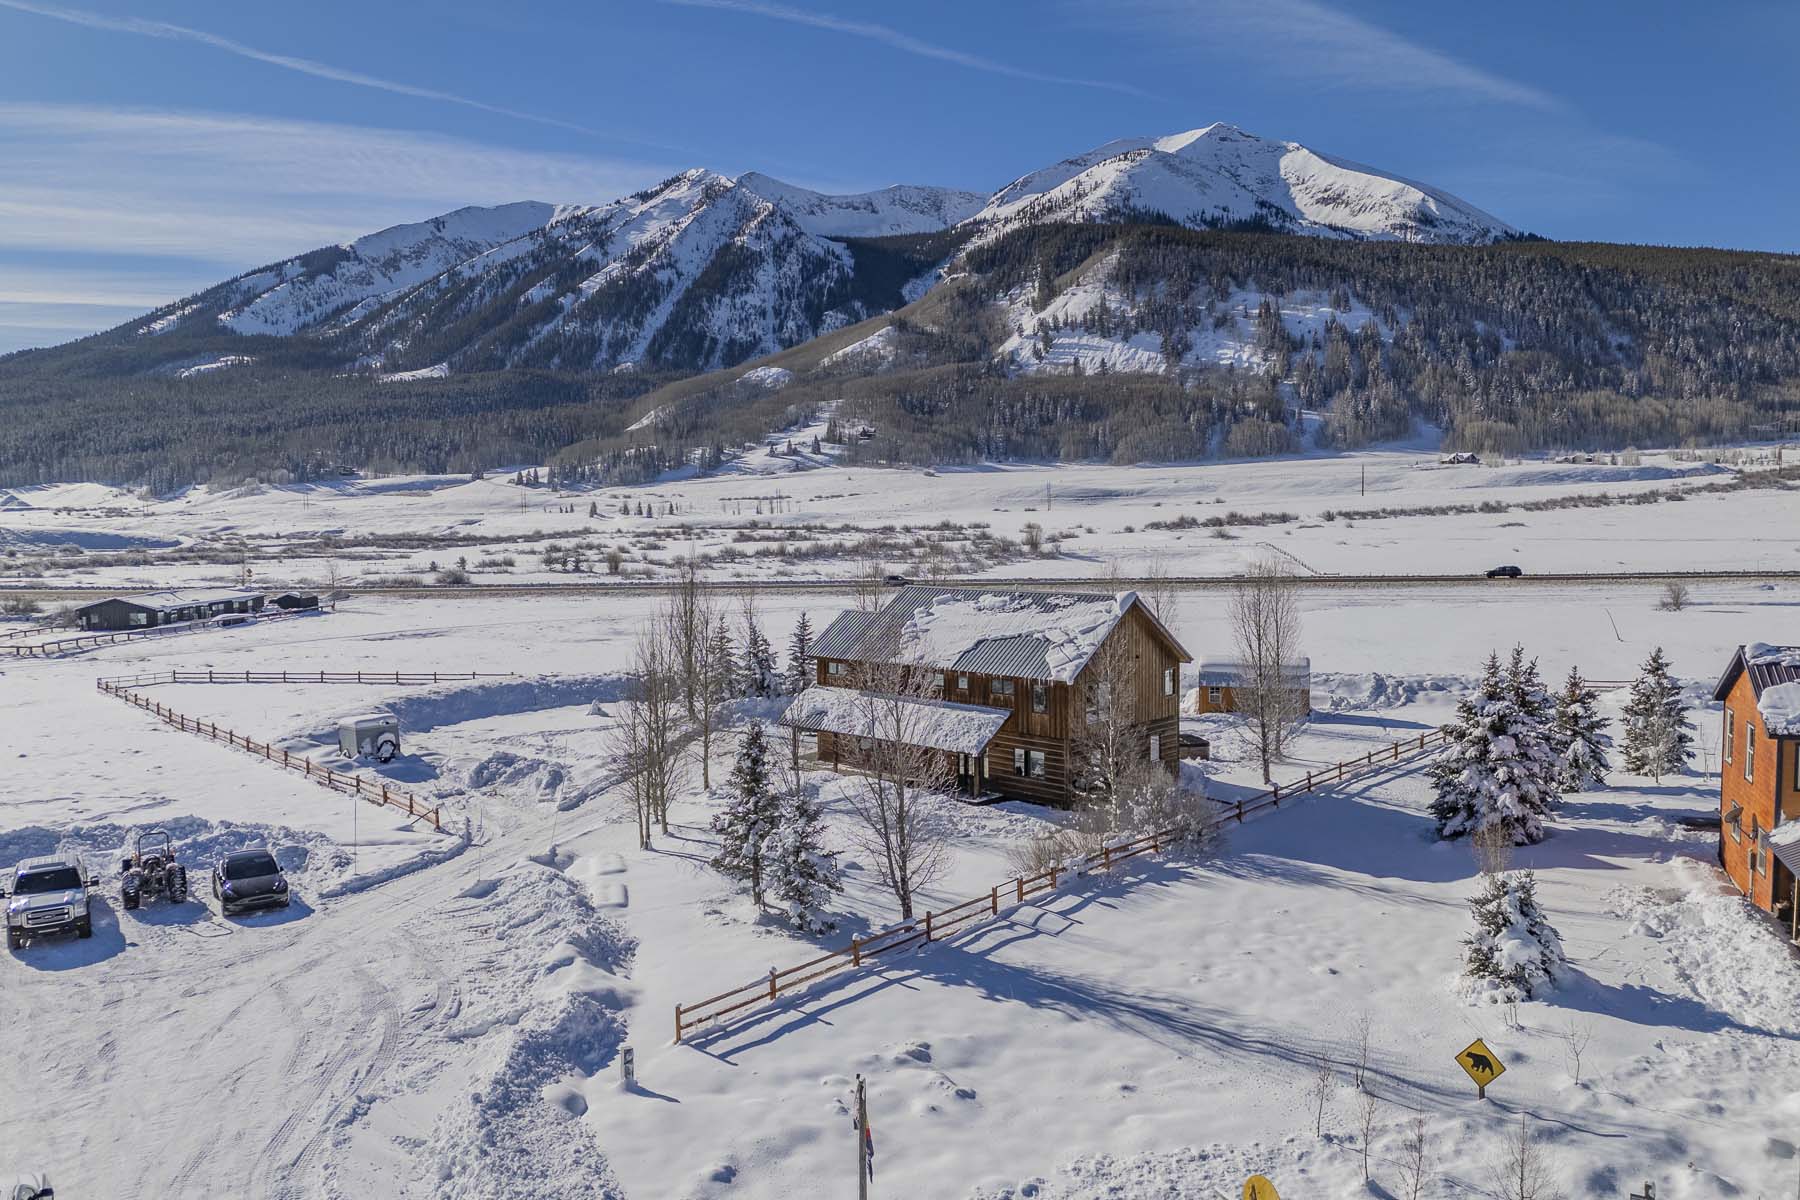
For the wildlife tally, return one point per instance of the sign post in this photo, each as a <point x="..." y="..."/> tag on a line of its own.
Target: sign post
<point x="865" y="1142"/>
<point x="1482" y="1065"/>
<point x="1257" y="1187"/>
<point x="628" y="1067"/>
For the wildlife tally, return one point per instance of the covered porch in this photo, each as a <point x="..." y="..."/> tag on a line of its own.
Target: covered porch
<point x="847" y="723"/>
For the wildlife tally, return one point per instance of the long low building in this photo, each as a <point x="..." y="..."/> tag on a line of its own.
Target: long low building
<point x="165" y="608"/>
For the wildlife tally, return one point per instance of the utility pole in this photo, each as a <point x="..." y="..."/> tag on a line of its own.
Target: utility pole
<point x="1365" y="479"/>
<point x="865" y="1146"/>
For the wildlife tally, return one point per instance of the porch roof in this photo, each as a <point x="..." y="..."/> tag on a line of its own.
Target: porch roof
<point x="916" y="721"/>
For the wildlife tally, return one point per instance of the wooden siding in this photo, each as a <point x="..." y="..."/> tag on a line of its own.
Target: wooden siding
<point x="1053" y="731"/>
<point x="1227" y="701"/>
<point x="1770" y="796"/>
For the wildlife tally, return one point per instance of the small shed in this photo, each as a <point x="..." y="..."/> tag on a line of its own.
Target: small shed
<point x="294" y="601"/>
<point x="1195" y="748"/>
<point x="1218" y="680"/>
<point x="371" y="735"/>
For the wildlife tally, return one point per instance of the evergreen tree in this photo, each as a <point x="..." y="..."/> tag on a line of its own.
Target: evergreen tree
<point x="1659" y="739"/>
<point x="722" y="660"/>
<point x="750" y="816"/>
<point x="1581" y="737"/>
<point x="756" y="666"/>
<point x="800" y="670"/>
<point x="1514" y="952"/>
<point x="1498" y="769"/>
<point x="801" y="873"/>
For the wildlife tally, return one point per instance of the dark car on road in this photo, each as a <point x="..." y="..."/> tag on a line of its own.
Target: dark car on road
<point x="1507" y="572"/>
<point x="249" y="879"/>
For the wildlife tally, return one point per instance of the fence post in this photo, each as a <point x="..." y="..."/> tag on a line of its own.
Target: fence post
<point x="1019" y="883"/>
<point x="1309" y="781"/>
<point x="1240" y="812"/>
<point x="1106" y="858"/>
<point x="1052" y="876"/>
<point x="994" y="899"/>
<point x="678" y="1024"/>
<point x="928" y="926"/>
<point x="771" y="983"/>
<point x="855" y="951"/>
<point x="1396" y="751"/>
<point x="209" y="677"/>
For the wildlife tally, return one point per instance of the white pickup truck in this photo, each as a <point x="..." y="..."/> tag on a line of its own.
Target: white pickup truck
<point x="46" y="895"/>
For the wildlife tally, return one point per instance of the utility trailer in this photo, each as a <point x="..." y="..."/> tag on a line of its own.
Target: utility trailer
<point x="372" y="735"/>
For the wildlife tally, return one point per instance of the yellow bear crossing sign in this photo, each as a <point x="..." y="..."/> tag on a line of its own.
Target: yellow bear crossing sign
<point x="1482" y="1065"/>
<point x="1258" y="1188"/>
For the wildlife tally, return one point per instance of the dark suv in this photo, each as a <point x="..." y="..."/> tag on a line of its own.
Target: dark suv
<point x="1508" y="572"/>
<point x="249" y="879"/>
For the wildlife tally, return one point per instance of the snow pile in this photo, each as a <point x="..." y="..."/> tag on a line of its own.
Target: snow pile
<point x="1066" y="630"/>
<point x="553" y="1007"/>
<point x="1722" y="950"/>
<point x="311" y="860"/>
<point x="1376" y="690"/>
<point x="218" y="364"/>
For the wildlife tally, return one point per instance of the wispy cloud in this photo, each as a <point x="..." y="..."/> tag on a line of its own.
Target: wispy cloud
<point x="102" y="207"/>
<point x="898" y="40"/>
<point x="143" y="27"/>
<point x="1312" y="39"/>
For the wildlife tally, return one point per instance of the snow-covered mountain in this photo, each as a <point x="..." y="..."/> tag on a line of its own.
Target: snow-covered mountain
<point x="704" y="271"/>
<point x="1222" y="176"/>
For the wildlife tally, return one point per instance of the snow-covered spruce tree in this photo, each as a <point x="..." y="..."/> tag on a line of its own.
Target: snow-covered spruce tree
<point x="756" y="665"/>
<point x="750" y="816"/>
<point x="1498" y="768"/>
<point x="1581" y="737"/>
<point x="722" y="664"/>
<point x="1659" y="740"/>
<point x="1514" y="953"/>
<point x="800" y="663"/>
<point x="800" y="874"/>
<point x="1537" y="733"/>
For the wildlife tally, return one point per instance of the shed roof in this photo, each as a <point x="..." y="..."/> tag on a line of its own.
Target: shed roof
<point x="1220" y="672"/>
<point x="989" y="631"/>
<point x="936" y="724"/>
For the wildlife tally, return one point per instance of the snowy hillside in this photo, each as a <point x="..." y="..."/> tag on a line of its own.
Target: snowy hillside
<point x="894" y="210"/>
<point x="294" y="295"/>
<point x="1223" y="176"/>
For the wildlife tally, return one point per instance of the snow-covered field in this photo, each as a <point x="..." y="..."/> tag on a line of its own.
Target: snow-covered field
<point x="435" y="1019"/>
<point x="773" y="516"/>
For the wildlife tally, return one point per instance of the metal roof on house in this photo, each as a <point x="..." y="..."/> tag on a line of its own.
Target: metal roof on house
<point x="171" y="600"/>
<point x="1774" y="673"/>
<point x="988" y="631"/>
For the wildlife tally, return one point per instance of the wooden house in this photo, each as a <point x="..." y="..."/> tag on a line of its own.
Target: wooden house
<point x="1759" y="779"/>
<point x="1217" y="682"/>
<point x="1001" y="683"/>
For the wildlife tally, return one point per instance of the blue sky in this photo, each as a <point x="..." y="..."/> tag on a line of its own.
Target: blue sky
<point x="147" y="152"/>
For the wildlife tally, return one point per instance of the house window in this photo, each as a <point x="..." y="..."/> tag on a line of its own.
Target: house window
<point x="1040" y="698"/>
<point x="1155" y="747"/>
<point x="138" y="618"/>
<point x="1029" y="763"/>
<point x="1730" y="730"/>
<point x="1215" y="695"/>
<point x="1001" y="689"/>
<point x="836" y="668"/>
<point x="1168" y="681"/>
<point x="1749" y="751"/>
<point x="962" y="683"/>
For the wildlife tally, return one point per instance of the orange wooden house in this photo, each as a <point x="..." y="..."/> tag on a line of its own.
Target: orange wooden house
<point x="1759" y="782"/>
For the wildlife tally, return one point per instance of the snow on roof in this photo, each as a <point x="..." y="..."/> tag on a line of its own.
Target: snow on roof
<point x="189" y="598"/>
<point x="1775" y="681"/>
<point x="937" y="724"/>
<point x="1222" y="672"/>
<point x="1030" y="635"/>
<point x="1780" y="708"/>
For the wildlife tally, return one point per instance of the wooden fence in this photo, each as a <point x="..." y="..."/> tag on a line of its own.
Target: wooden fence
<point x="382" y="793"/>
<point x="739" y="1001"/>
<point x="90" y="641"/>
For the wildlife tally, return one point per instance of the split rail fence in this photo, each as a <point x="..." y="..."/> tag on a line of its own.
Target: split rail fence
<point x="376" y="793"/>
<point x="741" y="1001"/>
<point x="56" y="647"/>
